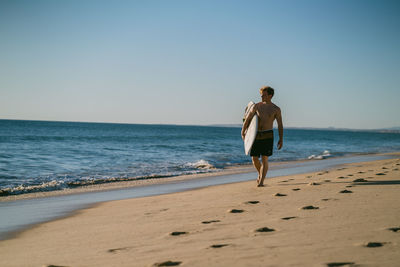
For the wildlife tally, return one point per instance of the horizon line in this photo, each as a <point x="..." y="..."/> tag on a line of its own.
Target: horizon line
<point x="234" y="125"/>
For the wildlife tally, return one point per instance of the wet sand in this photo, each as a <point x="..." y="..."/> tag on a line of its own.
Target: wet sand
<point x="346" y="215"/>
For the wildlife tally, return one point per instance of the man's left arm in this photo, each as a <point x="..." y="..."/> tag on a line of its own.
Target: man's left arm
<point x="280" y="128"/>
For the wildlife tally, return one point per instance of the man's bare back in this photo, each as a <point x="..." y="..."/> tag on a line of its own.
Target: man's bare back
<point x="267" y="113"/>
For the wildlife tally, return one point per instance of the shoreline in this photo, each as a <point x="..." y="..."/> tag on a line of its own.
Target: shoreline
<point x="246" y="168"/>
<point x="57" y="205"/>
<point x="232" y="170"/>
<point x="139" y="230"/>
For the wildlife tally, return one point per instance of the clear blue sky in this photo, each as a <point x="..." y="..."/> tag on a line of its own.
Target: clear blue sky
<point x="332" y="63"/>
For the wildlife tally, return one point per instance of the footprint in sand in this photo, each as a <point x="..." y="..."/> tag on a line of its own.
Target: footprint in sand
<point x="265" y="229"/>
<point x="346" y="191"/>
<point x="168" y="263"/>
<point x="212" y="221"/>
<point x="296" y="189"/>
<point x="219" y="245"/>
<point x="280" y="195"/>
<point x="313" y="183"/>
<point x="114" y="250"/>
<point x="380" y="173"/>
<point x="327" y="199"/>
<point x="361" y="180"/>
<point x="253" y="202"/>
<point x="384" y="168"/>
<point x="396" y="169"/>
<point x="342" y="177"/>
<point x="151" y="213"/>
<point x="374" y="244"/>
<point x="349" y="186"/>
<point x="236" y="211"/>
<point x="51" y="265"/>
<point x="360" y="172"/>
<point x="349" y="174"/>
<point x="327" y="181"/>
<point x="178" y="233"/>
<point x="288" y="218"/>
<point x="309" y="208"/>
<point x="394" y="229"/>
<point x="334" y="264"/>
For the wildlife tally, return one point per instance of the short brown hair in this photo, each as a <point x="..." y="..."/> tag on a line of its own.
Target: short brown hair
<point x="269" y="89"/>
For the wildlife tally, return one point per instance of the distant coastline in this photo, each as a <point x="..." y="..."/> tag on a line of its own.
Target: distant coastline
<point x="233" y="125"/>
<point x="380" y="130"/>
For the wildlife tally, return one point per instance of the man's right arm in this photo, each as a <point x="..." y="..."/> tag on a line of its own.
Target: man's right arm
<point x="247" y="120"/>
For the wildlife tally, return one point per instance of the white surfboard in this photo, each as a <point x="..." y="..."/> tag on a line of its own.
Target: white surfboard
<point x="251" y="132"/>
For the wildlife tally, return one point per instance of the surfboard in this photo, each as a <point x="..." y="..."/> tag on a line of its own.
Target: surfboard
<point x="251" y="132"/>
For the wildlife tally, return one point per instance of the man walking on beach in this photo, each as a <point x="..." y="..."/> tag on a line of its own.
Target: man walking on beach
<point x="267" y="113"/>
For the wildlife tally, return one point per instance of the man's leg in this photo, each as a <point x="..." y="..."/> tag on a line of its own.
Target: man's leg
<point x="257" y="165"/>
<point x="264" y="169"/>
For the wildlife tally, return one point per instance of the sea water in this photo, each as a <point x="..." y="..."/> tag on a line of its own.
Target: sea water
<point x="45" y="156"/>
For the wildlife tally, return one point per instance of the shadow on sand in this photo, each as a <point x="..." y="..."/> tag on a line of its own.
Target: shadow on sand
<point x="393" y="182"/>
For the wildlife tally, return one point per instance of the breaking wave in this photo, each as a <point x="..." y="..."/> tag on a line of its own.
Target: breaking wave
<point x="200" y="166"/>
<point x="324" y="155"/>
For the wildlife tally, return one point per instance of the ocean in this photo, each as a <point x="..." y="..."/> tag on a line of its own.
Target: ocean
<point x="46" y="156"/>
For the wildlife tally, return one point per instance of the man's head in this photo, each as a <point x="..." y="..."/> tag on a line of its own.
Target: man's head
<point x="267" y="93"/>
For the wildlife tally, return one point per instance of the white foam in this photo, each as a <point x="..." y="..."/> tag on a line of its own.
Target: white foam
<point x="324" y="155"/>
<point x="201" y="164"/>
<point x="54" y="184"/>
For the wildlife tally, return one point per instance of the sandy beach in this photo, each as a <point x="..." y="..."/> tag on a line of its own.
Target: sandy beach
<point x="346" y="216"/>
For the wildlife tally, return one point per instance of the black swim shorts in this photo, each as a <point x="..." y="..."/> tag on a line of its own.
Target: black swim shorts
<point x="263" y="145"/>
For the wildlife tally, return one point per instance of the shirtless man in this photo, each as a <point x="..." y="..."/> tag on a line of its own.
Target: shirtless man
<point x="267" y="112"/>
